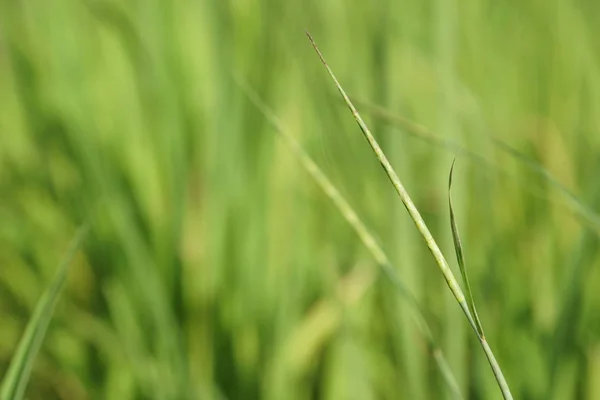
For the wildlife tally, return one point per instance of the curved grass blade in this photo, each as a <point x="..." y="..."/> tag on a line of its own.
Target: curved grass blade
<point x="421" y="227"/>
<point x="460" y="257"/>
<point x="363" y="233"/>
<point x="17" y="375"/>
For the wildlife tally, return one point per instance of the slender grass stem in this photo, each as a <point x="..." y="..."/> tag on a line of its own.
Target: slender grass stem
<point x="422" y="227"/>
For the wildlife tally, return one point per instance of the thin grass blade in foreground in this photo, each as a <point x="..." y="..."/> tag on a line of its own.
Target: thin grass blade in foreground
<point x="420" y="224"/>
<point x="17" y="375"/>
<point x="460" y="257"/>
<point x="363" y="233"/>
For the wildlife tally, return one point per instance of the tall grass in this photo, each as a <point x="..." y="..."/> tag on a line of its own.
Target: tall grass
<point x="366" y="237"/>
<point x="466" y="303"/>
<point x="218" y="269"/>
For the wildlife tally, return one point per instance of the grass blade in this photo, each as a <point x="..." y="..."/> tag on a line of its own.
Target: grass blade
<point x="17" y="375"/>
<point x="363" y="233"/>
<point x="421" y="226"/>
<point x="460" y="257"/>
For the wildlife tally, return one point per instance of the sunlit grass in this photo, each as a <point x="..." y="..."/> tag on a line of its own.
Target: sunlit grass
<point x="217" y="268"/>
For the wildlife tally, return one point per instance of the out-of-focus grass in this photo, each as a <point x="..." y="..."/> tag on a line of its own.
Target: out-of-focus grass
<point x="14" y="382"/>
<point x="214" y="253"/>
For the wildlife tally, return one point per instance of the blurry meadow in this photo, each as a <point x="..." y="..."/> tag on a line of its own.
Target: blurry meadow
<point x="216" y="267"/>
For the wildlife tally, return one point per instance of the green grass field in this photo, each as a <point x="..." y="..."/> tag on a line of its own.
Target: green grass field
<point x="217" y="267"/>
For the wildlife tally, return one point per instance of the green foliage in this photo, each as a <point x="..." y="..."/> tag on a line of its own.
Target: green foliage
<point x="216" y="268"/>
<point x="466" y="304"/>
<point x="14" y="382"/>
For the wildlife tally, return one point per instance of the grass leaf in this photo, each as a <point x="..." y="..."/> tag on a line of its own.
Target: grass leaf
<point x="460" y="257"/>
<point x="17" y="375"/>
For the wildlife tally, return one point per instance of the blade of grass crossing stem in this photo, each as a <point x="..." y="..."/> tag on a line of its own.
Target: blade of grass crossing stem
<point x="422" y="227"/>
<point x="583" y="211"/>
<point x="17" y="375"/>
<point x="460" y="257"/>
<point x="361" y="230"/>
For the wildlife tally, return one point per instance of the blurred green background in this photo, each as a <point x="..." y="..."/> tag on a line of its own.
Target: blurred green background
<point x="217" y="269"/>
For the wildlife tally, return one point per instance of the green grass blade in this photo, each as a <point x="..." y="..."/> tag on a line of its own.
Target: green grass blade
<point x="363" y="233"/>
<point x="17" y="375"/>
<point x="421" y="226"/>
<point x="460" y="257"/>
<point x="406" y="200"/>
